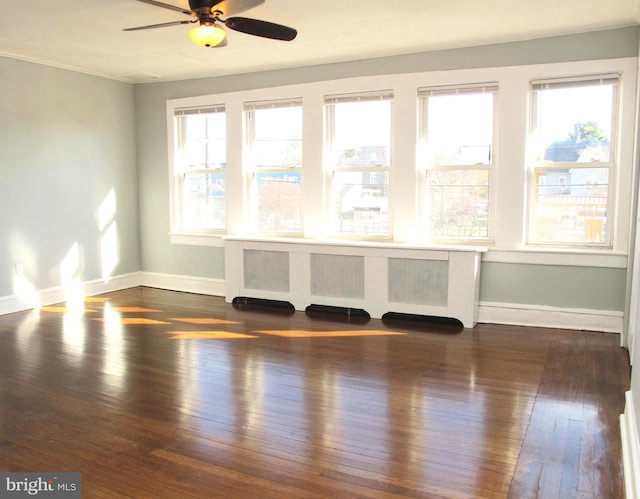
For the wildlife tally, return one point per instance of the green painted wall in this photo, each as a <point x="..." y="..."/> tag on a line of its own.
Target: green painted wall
<point x="66" y="140"/>
<point x="595" y="288"/>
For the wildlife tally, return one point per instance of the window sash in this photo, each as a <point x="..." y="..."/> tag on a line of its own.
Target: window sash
<point x="330" y="131"/>
<point x="458" y="212"/>
<point x="207" y="208"/>
<point x="250" y="109"/>
<point x="450" y="90"/>
<point x="360" y="208"/>
<point x="536" y="153"/>
<point x="560" y="216"/>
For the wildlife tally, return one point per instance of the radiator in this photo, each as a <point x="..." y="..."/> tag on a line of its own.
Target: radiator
<point x="379" y="278"/>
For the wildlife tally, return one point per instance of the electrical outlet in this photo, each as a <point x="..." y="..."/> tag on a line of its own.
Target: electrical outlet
<point x="19" y="269"/>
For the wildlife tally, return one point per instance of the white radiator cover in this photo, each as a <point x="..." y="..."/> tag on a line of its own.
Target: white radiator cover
<point x="379" y="278"/>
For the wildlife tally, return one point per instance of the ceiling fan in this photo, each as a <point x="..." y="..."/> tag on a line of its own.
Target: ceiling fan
<point x="208" y="13"/>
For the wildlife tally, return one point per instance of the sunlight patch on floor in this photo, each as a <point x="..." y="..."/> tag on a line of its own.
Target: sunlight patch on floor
<point x="195" y="335"/>
<point x="203" y="320"/>
<point x="136" y="321"/>
<point x="64" y="310"/>
<point x="112" y="315"/>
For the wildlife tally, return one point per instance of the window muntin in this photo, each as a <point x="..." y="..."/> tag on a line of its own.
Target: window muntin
<point x="275" y="151"/>
<point x="199" y="169"/>
<point x="572" y="164"/>
<point x="360" y="157"/>
<point x="457" y="154"/>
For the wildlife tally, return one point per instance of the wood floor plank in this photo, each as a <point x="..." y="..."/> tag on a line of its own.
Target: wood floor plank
<point x="228" y="409"/>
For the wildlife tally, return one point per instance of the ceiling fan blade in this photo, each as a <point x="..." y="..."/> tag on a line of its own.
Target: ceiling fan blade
<point x="161" y="25"/>
<point x="166" y="6"/>
<point x="233" y="7"/>
<point x="261" y="28"/>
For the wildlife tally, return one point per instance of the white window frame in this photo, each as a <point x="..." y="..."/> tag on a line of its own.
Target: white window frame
<point x="252" y="170"/>
<point x="331" y="169"/>
<point x="534" y="162"/>
<point x="181" y="233"/>
<point x="424" y="164"/>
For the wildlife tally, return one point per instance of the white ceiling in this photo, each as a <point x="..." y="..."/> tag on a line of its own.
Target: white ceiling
<point x="86" y="35"/>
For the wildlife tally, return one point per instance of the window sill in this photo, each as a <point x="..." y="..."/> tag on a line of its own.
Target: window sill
<point x="186" y="239"/>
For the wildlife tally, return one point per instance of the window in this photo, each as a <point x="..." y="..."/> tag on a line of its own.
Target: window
<point x="275" y="147"/>
<point x="457" y="155"/>
<point x="199" y="169"/>
<point x="358" y="135"/>
<point x="572" y="161"/>
<point x="522" y="159"/>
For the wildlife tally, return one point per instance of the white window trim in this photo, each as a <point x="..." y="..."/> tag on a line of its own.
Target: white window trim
<point x="513" y="128"/>
<point x="612" y="165"/>
<point x="177" y="234"/>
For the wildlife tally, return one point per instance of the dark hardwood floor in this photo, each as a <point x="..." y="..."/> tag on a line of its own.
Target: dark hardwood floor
<point x="152" y="393"/>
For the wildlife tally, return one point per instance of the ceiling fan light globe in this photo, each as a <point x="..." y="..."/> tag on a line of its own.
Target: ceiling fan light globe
<point x="207" y="35"/>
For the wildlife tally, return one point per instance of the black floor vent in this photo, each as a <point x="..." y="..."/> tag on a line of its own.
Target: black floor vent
<point x="423" y="322"/>
<point x="328" y="312"/>
<point x="264" y="305"/>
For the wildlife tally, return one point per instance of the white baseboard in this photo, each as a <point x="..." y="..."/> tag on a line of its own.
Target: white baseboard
<point x="12" y="303"/>
<point x="630" y="449"/>
<point x="44" y="297"/>
<point x="116" y="283"/>
<point x="542" y="316"/>
<point x="187" y="284"/>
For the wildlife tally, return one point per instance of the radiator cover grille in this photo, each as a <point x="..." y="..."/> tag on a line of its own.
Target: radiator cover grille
<point x="423" y="282"/>
<point x="266" y="270"/>
<point x="341" y="276"/>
